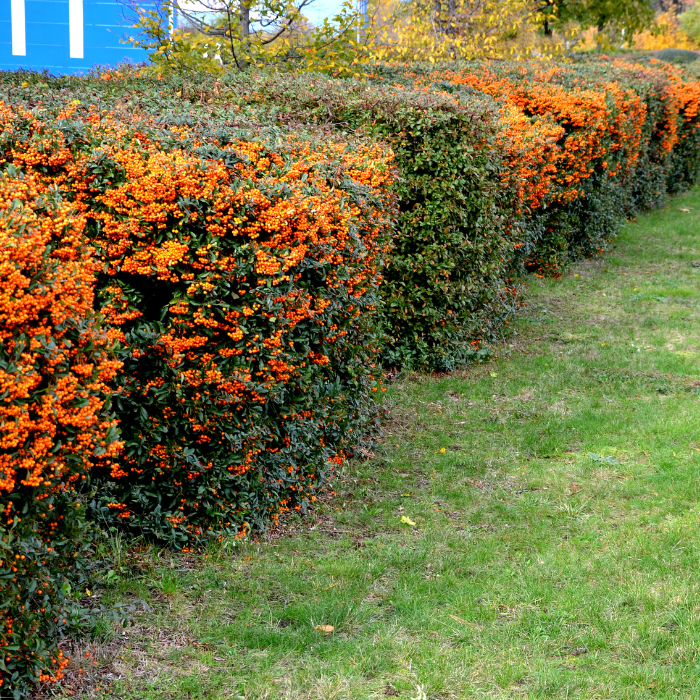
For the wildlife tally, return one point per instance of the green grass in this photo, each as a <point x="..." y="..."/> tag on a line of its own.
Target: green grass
<point x="556" y="545"/>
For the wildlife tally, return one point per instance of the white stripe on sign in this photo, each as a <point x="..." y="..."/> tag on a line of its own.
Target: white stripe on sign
<point x="19" y="32"/>
<point x="75" y="21"/>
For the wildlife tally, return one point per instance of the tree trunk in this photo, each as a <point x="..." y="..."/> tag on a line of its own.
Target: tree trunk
<point x="245" y="33"/>
<point x="245" y="20"/>
<point x="599" y="38"/>
<point x="437" y="9"/>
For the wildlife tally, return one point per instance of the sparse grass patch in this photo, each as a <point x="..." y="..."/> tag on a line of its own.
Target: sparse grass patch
<point x="556" y="545"/>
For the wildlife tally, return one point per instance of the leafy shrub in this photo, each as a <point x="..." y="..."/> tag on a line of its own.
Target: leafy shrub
<point x="54" y="424"/>
<point x="450" y="282"/>
<point x="628" y="135"/>
<point x="677" y="55"/>
<point x="595" y="130"/>
<point x="238" y="260"/>
<point x="685" y="161"/>
<point x="240" y="277"/>
<point x="669" y="154"/>
<point x="538" y="163"/>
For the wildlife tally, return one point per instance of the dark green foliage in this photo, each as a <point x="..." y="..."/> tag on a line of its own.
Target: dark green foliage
<point x="449" y="283"/>
<point x="679" y="56"/>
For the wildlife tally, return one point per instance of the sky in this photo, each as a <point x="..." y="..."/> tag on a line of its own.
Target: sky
<point x="317" y="11"/>
<point x="320" y="9"/>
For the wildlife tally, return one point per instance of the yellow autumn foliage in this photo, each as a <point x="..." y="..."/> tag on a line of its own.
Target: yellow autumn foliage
<point x="667" y="35"/>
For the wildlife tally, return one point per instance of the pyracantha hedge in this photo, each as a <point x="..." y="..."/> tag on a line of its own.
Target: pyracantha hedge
<point x="450" y="282"/>
<point x="239" y="276"/>
<point x="55" y="367"/>
<point x="502" y="165"/>
<point x="628" y="134"/>
<point x="237" y="260"/>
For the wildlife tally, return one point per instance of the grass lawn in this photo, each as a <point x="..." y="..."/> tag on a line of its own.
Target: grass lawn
<point x="527" y="528"/>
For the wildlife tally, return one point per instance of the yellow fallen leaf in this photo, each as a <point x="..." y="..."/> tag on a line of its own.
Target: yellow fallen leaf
<point x="326" y="629"/>
<point x="493" y="374"/>
<point x="440" y="451"/>
<point x="407" y="520"/>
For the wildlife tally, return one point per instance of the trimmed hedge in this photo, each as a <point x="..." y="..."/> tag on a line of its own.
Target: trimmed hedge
<point x="451" y="281"/>
<point x="450" y="284"/>
<point x="599" y="136"/>
<point x="55" y="363"/>
<point x="629" y="134"/>
<point x="240" y="228"/>
<point x="239" y="276"/>
<point x="540" y="163"/>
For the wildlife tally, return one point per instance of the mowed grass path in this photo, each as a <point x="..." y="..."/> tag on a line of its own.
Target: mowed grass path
<point x="555" y="496"/>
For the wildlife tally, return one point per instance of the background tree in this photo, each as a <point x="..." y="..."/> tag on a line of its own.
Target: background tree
<point x="436" y="30"/>
<point x="690" y="23"/>
<point x="247" y="33"/>
<point x="613" y="19"/>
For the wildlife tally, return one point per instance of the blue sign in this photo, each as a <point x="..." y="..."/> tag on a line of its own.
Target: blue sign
<point x="65" y="36"/>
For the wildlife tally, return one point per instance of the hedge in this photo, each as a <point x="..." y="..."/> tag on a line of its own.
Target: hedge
<point x="540" y="163"/>
<point x="652" y="145"/>
<point x="259" y="246"/>
<point x="239" y="276"/>
<point x="55" y="364"/>
<point x="627" y="135"/>
<point x="451" y="281"/>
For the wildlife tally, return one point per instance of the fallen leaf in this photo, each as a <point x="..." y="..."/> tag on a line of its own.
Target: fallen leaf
<point x="440" y="451"/>
<point x="326" y="629"/>
<point x="493" y="374"/>
<point x="685" y="210"/>
<point x="405" y="519"/>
